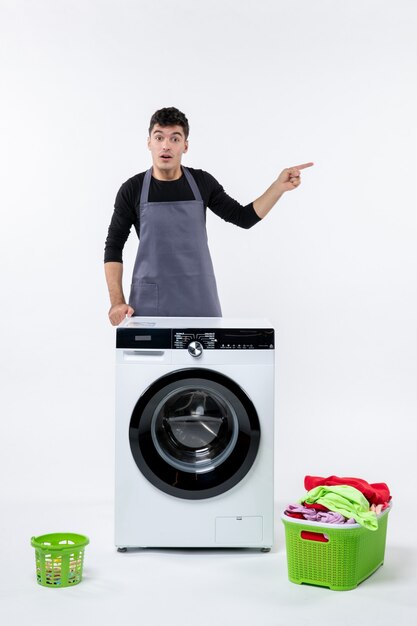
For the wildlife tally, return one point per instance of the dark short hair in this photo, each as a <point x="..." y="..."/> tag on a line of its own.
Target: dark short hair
<point x="169" y="116"/>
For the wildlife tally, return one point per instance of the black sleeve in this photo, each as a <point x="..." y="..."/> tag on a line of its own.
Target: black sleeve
<point x="124" y="216"/>
<point x="226" y="207"/>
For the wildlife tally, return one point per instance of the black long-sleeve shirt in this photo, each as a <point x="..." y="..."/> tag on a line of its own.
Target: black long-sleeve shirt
<point x="126" y="208"/>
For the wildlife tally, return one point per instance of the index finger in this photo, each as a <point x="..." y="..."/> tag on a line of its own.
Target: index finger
<point x="302" y="166"/>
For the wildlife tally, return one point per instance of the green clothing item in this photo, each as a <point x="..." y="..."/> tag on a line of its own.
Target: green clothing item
<point x="346" y="500"/>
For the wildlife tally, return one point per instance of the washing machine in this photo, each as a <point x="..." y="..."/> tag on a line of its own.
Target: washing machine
<point x="194" y="433"/>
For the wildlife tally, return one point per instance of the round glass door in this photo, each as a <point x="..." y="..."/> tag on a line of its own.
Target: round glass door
<point x="194" y="433"/>
<point x="195" y="428"/>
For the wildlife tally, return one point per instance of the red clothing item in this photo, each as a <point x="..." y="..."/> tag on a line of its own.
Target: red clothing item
<point x="316" y="505"/>
<point x="311" y="536"/>
<point x="296" y="515"/>
<point x="375" y="493"/>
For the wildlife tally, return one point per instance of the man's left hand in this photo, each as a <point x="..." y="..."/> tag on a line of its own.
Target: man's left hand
<point x="290" y="178"/>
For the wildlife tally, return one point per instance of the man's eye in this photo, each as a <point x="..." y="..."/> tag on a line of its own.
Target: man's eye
<point x="175" y="139"/>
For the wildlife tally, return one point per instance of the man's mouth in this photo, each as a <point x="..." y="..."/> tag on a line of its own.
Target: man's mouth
<point x="166" y="157"/>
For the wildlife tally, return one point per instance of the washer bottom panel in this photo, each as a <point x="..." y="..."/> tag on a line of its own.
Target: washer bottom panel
<point x="250" y="531"/>
<point x="239" y="530"/>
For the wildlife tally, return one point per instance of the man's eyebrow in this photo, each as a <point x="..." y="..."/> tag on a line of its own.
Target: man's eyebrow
<point x="160" y="131"/>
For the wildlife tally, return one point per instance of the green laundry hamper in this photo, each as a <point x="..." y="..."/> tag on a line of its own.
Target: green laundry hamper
<point x="59" y="559"/>
<point x="337" y="556"/>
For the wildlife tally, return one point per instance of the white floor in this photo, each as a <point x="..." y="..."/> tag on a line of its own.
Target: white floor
<point x="181" y="587"/>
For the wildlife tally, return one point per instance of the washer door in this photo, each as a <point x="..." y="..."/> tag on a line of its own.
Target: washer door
<point x="194" y="433"/>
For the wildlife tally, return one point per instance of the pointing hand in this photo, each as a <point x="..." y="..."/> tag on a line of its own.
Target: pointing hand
<point x="290" y="178"/>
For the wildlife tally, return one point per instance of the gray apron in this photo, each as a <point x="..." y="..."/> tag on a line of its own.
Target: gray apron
<point x="173" y="274"/>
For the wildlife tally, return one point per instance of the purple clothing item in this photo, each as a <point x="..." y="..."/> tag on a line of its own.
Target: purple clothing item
<point x="329" y="517"/>
<point x="326" y="517"/>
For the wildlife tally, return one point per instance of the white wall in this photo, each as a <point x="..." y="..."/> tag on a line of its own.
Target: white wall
<point x="265" y="85"/>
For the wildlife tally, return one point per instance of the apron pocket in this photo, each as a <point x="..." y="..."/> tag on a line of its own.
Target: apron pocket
<point x="144" y="298"/>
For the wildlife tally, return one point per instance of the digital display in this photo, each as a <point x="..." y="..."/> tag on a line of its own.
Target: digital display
<point x="143" y="337"/>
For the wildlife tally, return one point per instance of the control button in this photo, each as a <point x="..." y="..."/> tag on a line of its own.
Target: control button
<point x="195" y="348"/>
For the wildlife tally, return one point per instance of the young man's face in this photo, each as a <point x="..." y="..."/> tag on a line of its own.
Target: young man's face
<point x="167" y="145"/>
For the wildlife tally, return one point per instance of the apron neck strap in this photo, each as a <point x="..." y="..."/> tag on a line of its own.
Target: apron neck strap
<point x="145" y="187"/>
<point x="193" y="184"/>
<point x="144" y="196"/>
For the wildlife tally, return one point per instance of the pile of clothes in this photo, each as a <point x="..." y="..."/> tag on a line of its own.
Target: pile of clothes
<point x="341" y="500"/>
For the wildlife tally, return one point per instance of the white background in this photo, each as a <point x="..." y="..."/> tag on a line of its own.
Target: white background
<point x="265" y="85"/>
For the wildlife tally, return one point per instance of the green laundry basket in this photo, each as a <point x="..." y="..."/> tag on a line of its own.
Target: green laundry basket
<point x="59" y="559"/>
<point x="337" y="556"/>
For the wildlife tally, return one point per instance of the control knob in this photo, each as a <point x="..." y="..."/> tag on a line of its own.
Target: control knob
<point x="195" y="348"/>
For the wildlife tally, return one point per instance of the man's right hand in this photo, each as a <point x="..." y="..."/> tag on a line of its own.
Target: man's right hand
<point x="118" y="312"/>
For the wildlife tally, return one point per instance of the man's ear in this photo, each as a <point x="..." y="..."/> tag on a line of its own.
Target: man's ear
<point x="185" y="147"/>
<point x="149" y="143"/>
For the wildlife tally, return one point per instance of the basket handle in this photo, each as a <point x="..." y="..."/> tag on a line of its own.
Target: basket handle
<point x="308" y="535"/>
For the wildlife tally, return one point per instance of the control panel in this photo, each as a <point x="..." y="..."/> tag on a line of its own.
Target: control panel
<point x="182" y="339"/>
<point x="225" y="339"/>
<point x="206" y="338"/>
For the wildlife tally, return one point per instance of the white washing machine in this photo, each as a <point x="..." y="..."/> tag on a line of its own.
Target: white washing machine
<point x="194" y="433"/>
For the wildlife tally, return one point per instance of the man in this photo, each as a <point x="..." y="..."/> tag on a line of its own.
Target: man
<point x="173" y="273"/>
